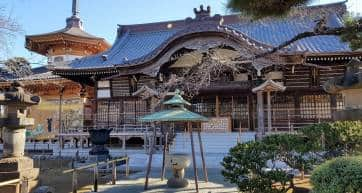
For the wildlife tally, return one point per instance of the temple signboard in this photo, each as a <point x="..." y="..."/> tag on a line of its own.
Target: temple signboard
<point x="217" y="124"/>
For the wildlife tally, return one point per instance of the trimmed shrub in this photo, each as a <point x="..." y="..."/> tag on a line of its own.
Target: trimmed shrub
<point x="335" y="138"/>
<point x="246" y="164"/>
<point x="340" y="175"/>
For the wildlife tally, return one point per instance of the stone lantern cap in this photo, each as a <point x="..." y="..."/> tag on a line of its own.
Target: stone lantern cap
<point x="16" y="102"/>
<point x="16" y="96"/>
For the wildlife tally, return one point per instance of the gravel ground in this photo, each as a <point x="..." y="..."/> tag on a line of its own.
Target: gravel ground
<point x="135" y="183"/>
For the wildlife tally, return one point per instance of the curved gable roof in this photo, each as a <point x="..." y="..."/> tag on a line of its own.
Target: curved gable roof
<point x="139" y="43"/>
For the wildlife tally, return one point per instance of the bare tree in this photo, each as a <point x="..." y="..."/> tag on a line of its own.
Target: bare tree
<point x="9" y="28"/>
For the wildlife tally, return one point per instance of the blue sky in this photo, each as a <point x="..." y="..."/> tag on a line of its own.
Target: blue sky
<point x="101" y="17"/>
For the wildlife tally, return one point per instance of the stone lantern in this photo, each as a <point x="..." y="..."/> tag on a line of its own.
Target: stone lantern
<point x="14" y="119"/>
<point x="178" y="162"/>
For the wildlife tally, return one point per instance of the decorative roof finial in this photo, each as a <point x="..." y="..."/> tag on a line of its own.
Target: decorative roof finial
<point x="74" y="20"/>
<point x="202" y="13"/>
<point x="75" y="8"/>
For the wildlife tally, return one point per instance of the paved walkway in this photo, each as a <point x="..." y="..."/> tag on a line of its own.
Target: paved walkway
<point x="135" y="184"/>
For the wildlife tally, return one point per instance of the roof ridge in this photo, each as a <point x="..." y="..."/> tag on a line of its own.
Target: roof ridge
<point x="155" y="26"/>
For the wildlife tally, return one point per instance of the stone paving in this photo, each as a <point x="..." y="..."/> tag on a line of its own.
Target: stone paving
<point x="135" y="183"/>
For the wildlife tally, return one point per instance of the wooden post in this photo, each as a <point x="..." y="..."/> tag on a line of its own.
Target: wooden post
<point x="269" y="111"/>
<point x="217" y="106"/>
<point x="150" y="158"/>
<point x="124" y="143"/>
<point x="74" y="182"/>
<point x="24" y="186"/>
<point x="164" y="156"/>
<point x="95" y="179"/>
<point x="251" y="123"/>
<point x="127" y="166"/>
<point x="260" y="107"/>
<point x="193" y="156"/>
<point x="114" y="173"/>
<point x="202" y="157"/>
<point x="74" y="179"/>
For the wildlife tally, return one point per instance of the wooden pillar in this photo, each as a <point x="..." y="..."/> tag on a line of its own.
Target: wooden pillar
<point x="297" y="116"/>
<point x="217" y="106"/>
<point x="193" y="156"/>
<point x="148" y="171"/>
<point x="251" y="117"/>
<point x="61" y="91"/>
<point x="260" y="107"/>
<point x="74" y="178"/>
<point x="333" y="105"/>
<point x="95" y="178"/>
<point x="202" y="157"/>
<point x="164" y="156"/>
<point x="124" y="143"/>
<point x="269" y="112"/>
<point x="114" y="173"/>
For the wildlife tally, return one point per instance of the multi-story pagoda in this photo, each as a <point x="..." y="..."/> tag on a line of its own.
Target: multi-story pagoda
<point x="61" y="102"/>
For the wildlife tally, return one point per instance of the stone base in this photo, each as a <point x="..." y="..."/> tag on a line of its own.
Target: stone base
<point x="18" y="168"/>
<point x="99" y="150"/>
<point x="177" y="183"/>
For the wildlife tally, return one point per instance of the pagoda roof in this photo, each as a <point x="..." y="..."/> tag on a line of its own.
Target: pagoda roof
<point x="177" y="99"/>
<point x="142" y="43"/>
<point x="173" y="115"/>
<point x="73" y="32"/>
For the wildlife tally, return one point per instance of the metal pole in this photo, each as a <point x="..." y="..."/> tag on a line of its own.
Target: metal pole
<point x="202" y="157"/>
<point x="193" y="157"/>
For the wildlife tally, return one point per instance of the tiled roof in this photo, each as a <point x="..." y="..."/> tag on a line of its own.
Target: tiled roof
<point x="137" y="43"/>
<point x="73" y="31"/>
<point x="38" y="73"/>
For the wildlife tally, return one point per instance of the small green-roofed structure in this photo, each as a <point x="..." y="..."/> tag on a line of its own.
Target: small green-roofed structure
<point x="173" y="115"/>
<point x="176" y="100"/>
<point x="177" y="112"/>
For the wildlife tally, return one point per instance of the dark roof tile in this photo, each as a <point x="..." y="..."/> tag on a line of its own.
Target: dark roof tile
<point x="137" y="43"/>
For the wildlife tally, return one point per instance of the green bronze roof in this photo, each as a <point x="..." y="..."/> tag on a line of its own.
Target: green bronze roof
<point x="176" y="114"/>
<point x="176" y="100"/>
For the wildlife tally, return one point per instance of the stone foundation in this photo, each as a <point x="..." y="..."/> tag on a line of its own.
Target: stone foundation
<point x="18" y="168"/>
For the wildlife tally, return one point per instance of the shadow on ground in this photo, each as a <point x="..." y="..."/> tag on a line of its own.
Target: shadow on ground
<point x="135" y="183"/>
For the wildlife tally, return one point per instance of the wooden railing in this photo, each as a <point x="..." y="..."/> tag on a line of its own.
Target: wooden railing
<point x="95" y="166"/>
<point x="126" y="128"/>
<point x="23" y="184"/>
